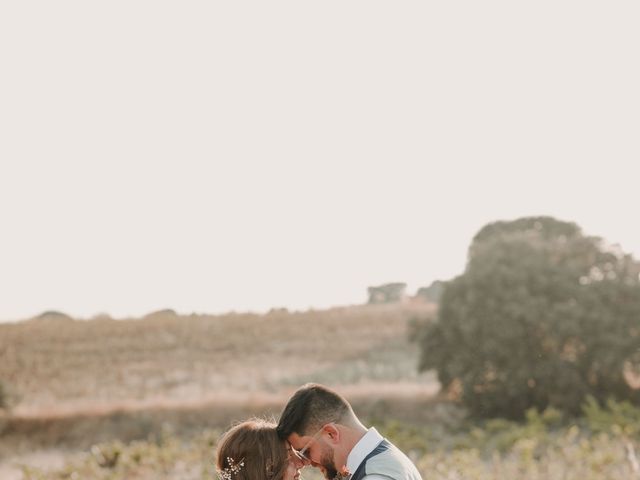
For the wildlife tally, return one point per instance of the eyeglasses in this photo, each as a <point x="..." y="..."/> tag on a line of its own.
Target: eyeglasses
<point x="302" y="453"/>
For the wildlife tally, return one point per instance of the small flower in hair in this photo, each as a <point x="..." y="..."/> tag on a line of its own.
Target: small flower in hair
<point x="232" y="469"/>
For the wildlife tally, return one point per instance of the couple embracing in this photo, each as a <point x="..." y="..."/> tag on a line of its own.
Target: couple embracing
<point x="318" y="428"/>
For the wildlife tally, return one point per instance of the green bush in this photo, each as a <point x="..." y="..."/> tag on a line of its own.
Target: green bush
<point x="616" y="417"/>
<point x="543" y="316"/>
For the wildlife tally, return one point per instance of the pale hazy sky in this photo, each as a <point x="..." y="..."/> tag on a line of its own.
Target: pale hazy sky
<point x="215" y="156"/>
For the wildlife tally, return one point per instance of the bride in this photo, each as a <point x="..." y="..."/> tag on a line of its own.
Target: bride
<point x="252" y="451"/>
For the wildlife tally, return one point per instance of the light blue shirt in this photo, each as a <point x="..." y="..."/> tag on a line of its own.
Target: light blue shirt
<point x="390" y="464"/>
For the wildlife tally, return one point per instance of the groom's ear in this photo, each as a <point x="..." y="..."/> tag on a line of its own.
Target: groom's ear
<point x="332" y="432"/>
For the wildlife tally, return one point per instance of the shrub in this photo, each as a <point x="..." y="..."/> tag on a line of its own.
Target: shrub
<point x="614" y="417"/>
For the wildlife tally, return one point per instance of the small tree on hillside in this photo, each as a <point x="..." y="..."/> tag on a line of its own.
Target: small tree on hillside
<point x="387" y="293"/>
<point x="433" y="292"/>
<point x="542" y="316"/>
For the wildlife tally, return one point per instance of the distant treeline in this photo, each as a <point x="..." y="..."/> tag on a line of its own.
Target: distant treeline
<point x="396" y="292"/>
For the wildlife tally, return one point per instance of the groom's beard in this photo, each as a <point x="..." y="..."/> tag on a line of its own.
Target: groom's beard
<point x="330" y="470"/>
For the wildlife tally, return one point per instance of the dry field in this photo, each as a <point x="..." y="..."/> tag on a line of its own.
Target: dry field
<point x="80" y="382"/>
<point x="65" y="366"/>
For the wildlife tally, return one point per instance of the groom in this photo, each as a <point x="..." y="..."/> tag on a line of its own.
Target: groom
<point x="324" y="432"/>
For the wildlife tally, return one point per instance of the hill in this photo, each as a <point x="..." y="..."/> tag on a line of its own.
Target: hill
<point x="101" y="364"/>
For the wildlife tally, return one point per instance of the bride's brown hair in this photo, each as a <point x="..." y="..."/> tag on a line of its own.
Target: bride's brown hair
<point x="256" y="444"/>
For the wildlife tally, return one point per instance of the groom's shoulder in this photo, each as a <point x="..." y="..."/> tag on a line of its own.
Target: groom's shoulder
<point x="394" y="464"/>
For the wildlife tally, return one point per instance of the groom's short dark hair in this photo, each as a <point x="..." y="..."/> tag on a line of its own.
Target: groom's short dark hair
<point x="310" y="408"/>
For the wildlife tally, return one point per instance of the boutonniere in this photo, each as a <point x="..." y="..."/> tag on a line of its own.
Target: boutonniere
<point x="343" y="474"/>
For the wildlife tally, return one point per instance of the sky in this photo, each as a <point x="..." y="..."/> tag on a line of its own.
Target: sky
<point x="238" y="156"/>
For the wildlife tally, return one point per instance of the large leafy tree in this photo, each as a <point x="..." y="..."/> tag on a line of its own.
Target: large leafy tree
<point x="542" y="316"/>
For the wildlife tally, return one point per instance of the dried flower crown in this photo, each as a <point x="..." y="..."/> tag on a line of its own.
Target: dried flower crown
<point x="232" y="469"/>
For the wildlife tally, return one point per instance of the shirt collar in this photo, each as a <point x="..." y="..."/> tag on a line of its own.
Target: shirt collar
<point x="364" y="447"/>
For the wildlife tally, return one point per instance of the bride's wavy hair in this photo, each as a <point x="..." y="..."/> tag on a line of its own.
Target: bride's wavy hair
<point x="255" y="444"/>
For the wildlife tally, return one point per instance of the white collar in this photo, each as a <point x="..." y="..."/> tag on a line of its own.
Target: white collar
<point x="364" y="447"/>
